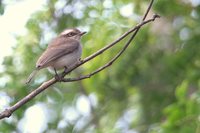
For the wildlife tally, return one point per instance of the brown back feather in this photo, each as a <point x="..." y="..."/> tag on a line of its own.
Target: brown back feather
<point x="57" y="48"/>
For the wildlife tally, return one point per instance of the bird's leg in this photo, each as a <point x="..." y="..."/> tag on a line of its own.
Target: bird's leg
<point x="80" y="60"/>
<point x="65" y="70"/>
<point x="57" y="77"/>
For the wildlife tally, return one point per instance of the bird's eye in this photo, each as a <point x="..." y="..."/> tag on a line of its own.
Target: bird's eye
<point x="71" y="34"/>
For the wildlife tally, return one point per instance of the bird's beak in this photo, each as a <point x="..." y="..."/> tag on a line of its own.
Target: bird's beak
<point x="82" y="33"/>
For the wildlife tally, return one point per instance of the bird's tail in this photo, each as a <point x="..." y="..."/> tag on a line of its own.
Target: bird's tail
<point x="31" y="76"/>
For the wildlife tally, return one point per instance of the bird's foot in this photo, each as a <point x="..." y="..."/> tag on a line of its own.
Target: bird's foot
<point x="65" y="70"/>
<point x="80" y="60"/>
<point x="59" y="77"/>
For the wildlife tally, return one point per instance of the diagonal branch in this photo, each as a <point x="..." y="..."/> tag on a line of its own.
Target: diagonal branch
<point x="8" y="112"/>
<point x="112" y="60"/>
<point x="136" y="28"/>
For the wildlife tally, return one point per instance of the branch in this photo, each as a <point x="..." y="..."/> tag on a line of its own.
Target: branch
<point x="112" y="60"/>
<point x="8" y="112"/>
<point x="136" y="28"/>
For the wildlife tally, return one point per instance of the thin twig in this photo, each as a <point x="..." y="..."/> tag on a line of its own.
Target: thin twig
<point x="116" y="41"/>
<point x="148" y="9"/>
<point x="105" y="48"/>
<point x="8" y="112"/>
<point x="111" y="61"/>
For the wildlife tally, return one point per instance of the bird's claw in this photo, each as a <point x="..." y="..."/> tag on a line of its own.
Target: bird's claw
<point x="80" y="60"/>
<point x="58" y="77"/>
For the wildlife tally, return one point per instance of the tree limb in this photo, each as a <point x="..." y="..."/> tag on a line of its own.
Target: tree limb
<point x="112" y="60"/>
<point x="8" y="112"/>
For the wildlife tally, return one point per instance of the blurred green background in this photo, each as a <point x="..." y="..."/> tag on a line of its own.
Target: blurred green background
<point x="152" y="88"/>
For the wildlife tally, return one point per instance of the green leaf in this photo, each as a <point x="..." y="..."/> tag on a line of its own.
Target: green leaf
<point x="181" y="91"/>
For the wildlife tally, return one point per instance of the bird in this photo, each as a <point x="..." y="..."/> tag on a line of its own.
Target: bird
<point x="63" y="51"/>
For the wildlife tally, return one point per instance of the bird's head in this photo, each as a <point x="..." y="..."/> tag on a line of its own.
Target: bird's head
<point x="72" y="33"/>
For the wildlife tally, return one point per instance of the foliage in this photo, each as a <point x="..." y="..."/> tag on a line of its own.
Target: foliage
<point x="153" y="87"/>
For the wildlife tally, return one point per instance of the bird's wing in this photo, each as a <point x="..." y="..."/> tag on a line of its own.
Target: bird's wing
<point x="54" y="52"/>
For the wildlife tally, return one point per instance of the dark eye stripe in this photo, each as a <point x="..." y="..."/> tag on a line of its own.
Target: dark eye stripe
<point x="71" y="34"/>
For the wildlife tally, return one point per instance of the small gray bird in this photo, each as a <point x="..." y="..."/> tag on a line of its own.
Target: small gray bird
<point x="63" y="52"/>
